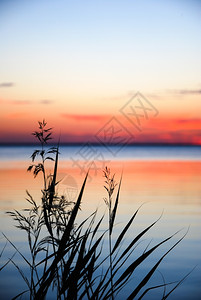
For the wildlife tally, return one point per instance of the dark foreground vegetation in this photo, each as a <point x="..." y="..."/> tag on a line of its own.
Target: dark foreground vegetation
<point x="75" y="260"/>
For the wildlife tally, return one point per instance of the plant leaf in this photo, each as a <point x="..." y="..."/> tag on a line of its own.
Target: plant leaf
<point x="115" y="208"/>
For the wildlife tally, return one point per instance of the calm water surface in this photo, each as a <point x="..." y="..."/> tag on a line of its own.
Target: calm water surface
<point x="165" y="179"/>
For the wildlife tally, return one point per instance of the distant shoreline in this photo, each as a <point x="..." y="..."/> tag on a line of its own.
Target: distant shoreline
<point x="102" y="145"/>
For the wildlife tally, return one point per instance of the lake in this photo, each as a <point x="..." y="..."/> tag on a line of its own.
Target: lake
<point x="165" y="179"/>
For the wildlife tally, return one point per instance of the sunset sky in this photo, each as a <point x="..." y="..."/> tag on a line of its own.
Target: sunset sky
<point x="79" y="65"/>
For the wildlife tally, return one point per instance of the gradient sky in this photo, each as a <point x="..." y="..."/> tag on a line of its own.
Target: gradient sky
<point x="77" y="63"/>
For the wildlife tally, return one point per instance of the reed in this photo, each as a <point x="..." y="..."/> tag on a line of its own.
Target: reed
<point x="68" y="258"/>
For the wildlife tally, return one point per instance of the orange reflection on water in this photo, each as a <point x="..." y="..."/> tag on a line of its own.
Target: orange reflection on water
<point x="162" y="181"/>
<point x="167" y="181"/>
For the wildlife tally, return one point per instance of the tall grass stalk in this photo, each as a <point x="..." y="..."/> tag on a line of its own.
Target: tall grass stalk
<point x="110" y="185"/>
<point x="68" y="257"/>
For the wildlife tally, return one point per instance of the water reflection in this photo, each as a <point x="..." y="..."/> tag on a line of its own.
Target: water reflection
<point x="170" y="185"/>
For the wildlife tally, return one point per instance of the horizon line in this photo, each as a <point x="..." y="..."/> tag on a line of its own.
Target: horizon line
<point x="99" y="144"/>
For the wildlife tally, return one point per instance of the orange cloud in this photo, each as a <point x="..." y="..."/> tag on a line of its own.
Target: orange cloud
<point x="78" y="128"/>
<point x="171" y="137"/>
<point x="84" y="117"/>
<point x="172" y="124"/>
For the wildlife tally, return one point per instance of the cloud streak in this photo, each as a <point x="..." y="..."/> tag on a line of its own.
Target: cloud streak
<point x="190" y="92"/>
<point x="6" y="84"/>
<point x="26" y="102"/>
<point x="46" y="101"/>
<point x="186" y="92"/>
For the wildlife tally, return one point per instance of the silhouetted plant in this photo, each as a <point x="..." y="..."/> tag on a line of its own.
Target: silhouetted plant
<point x="110" y="186"/>
<point x="70" y="259"/>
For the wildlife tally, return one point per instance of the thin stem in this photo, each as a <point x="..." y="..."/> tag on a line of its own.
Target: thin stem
<point x="110" y="249"/>
<point x="43" y="163"/>
<point x="48" y="214"/>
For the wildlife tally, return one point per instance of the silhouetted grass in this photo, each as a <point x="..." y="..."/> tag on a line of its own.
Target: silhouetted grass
<point x="69" y="258"/>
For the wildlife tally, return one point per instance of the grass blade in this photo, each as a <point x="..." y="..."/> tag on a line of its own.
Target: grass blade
<point x="127" y="273"/>
<point x="114" y="211"/>
<point x="53" y="182"/>
<point x="137" y="239"/>
<point x="17" y="250"/>
<point x="122" y="234"/>
<point x="62" y="246"/>
<point x="70" y="225"/>
<point x="179" y="283"/>
<point x="20" y="294"/>
<point x="151" y="272"/>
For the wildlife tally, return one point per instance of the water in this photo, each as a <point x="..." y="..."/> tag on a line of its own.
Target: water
<point x="23" y="153"/>
<point x="165" y="179"/>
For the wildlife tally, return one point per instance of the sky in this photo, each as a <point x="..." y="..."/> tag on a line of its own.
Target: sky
<point x="101" y="71"/>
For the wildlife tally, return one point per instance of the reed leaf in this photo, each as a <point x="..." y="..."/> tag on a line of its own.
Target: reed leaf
<point x="178" y="284"/>
<point x="122" y="234"/>
<point x="127" y="273"/>
<point x="20" y="294"/>
<point x="151" y="272"/>
<point x="70" y="225"/>
<point x="62" y="245"/>
<point x="136" y="239"/>
<point x="114" y="211"/>
<point x="51" y="190"/>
